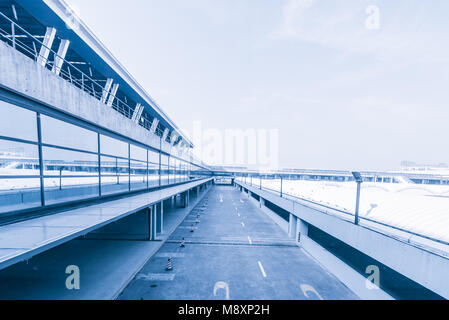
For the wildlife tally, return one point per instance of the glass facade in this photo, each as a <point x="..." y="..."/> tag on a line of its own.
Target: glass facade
<point x="45" y="160"/>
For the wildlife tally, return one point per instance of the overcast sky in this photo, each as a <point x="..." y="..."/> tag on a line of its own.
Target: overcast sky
<point x="343" y="95"/>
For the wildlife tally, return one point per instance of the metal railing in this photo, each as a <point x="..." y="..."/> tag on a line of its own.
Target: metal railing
<point x="286" y="195"/>
<point x="30" y="45"/>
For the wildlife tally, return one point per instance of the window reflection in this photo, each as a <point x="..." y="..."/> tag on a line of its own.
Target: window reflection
<point x="11" y="116"/>
<point x="60" y="133"/>
<point x="65" y="189"/>
<point x="138" y="175"/>
<point x="66" y="162"/>
<point x="19" y="193"/>
<point x="69" y="175"/>
<point x="114" y="175"/>
<point x="18" y="159"/>
<point x="113" y="147"/>
<point x="138" y="153"/>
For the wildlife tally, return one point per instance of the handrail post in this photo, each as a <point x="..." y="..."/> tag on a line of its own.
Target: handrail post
<point x="281" y="187"/>
<point x="357" y="203"/>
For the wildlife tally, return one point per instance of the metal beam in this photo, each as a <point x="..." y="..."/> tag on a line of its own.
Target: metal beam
<point x="137" y="113"/>
<point x="164" y="136"/>
<point x="154" y="125"/>
<point x="106" y="89"/>
<point x="173" y="138"/>
<point x="112" y="94"/>
<point x="45" y="48"/>
<point x="59" y="59"/>
<point x="14" y="12"/>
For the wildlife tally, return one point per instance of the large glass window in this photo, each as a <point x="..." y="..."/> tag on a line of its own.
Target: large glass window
<point x="114" y="175"/>
<point x="172" y="170"/>
<point x="69" y="175"/>
<point x="18" y="159"/>
<point x="71" y="168"/>
<point x="164" y="170"/>
<point x="153" y="168"/>
<point x="113" y="147"/>
<point x="138" y="153"/>
<point x="60" y="133"/>
<point x="138" y="175"/>
<point x="16" y="122"/>
<point x="19" y="176"/>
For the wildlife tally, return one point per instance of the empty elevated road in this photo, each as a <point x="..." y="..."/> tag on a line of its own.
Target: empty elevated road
<point x="237" y="250"/>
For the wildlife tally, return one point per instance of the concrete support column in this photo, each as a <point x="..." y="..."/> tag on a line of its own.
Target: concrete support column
<point x="302" y="229"/>
<point x="153" y="222"/>
<point x="185" y="196"/>
<point x="249" y="194"/>
<point x="292" y="226"/>
<point x="160" y="217"/>
<point x="173" y="201"/>
<point x="197" y="192"/>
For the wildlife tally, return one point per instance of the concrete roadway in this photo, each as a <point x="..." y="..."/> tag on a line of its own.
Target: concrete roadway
<point x="238" y="250"/>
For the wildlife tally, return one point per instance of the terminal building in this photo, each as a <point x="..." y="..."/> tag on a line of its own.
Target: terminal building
<point x="86" y="154"/>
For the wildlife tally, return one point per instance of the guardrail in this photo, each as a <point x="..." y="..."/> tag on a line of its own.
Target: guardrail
<point x="298" y="199"/>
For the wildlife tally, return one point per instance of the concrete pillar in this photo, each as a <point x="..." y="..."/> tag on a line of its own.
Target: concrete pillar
<point x="261" y="202"/>
<point x="292" y="226"/>
<point x="160" y="217"/>
<point x="197" y="192"/>
<point x="173" y="201"/>
<point x="153" y="222"/>
<point x="302" y="229"/>
<point x="249" y="193"/>
<point x="185" y="196"/>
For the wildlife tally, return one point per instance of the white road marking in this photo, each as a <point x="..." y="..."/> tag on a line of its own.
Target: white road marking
<point x="238" y="214"/>
<point x="170" y="255"/>
<point x="242" y="201"/>
<point x="221" y="285"/>
<point x="156" y="277"/>
<point x="261" y="269"/>
<point x="249" y="240"/>
<point x="243" y="225"/>
<point x="305" y="288"/>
